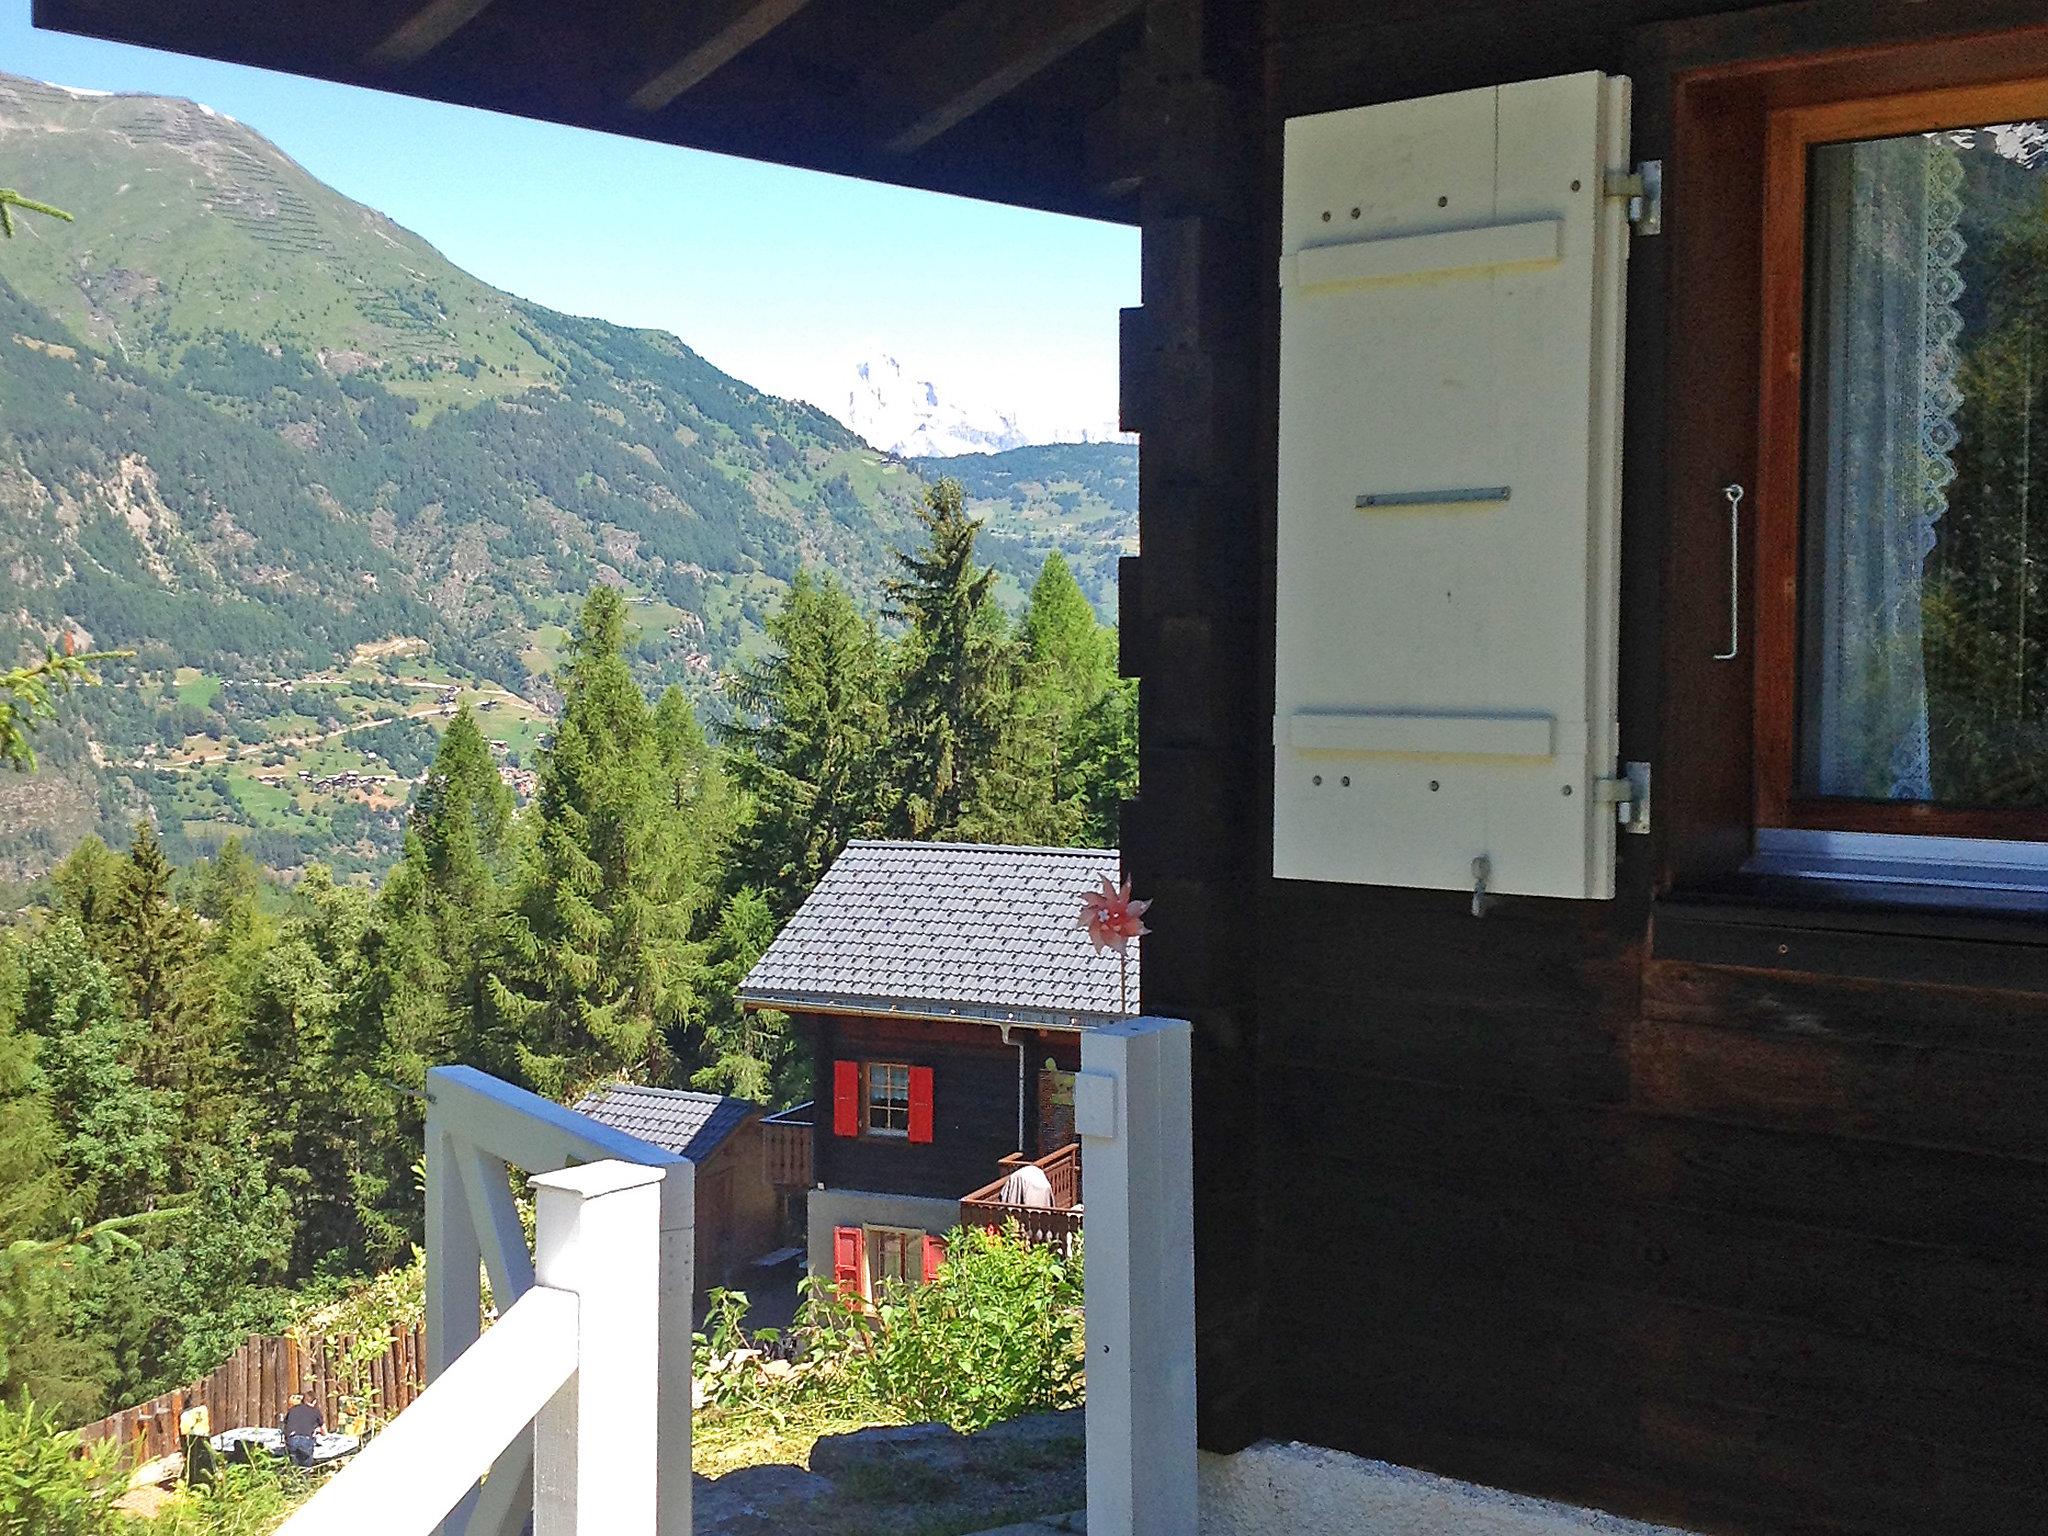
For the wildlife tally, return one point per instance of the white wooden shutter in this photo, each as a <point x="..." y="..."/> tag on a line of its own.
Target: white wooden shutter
<point x="1450" y="390"/>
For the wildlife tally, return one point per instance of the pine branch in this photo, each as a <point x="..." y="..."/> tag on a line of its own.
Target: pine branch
<point x="28" y="696"/>
<point x="11" y="199"/>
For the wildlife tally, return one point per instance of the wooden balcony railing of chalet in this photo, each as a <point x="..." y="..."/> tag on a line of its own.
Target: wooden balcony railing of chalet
<point x="786" y="1141"/>
<point x="1054" y="1227"/>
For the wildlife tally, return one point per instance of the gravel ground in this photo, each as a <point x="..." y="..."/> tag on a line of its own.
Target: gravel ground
<point x="916" y="1480"/>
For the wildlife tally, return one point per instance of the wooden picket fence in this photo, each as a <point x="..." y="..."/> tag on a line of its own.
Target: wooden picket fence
<point x="255" y="1386"/>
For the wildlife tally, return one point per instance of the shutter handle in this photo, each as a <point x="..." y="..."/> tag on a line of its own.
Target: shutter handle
<point x="1734" y="493"/>
<point x="1482" y="898"/>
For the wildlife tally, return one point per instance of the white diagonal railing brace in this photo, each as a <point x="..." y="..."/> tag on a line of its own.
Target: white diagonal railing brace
<point x="478" y="1128"/>
<point x="574" y="1357"/>
<point x="1132" y="1111"/>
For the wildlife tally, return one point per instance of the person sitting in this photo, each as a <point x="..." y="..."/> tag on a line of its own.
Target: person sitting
<point x="302" y="1424"/>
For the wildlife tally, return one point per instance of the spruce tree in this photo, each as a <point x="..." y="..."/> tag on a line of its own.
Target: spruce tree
<point x="946" y="713"/>
<point x="421" y="996"/>
<point x="598" y="958"/>
<point x="750" y="1055"/>
<point x="806" y="743"/>
<point x="157" y="950"/>
<point x="288" y="1070"/>
<point x="89" y="884"/>
<point x="117" y="1130"/>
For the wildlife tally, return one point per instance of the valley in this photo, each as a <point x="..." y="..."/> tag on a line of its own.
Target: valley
<point x="325" y="486"/>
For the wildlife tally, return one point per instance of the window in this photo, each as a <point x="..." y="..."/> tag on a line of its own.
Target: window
<point x="882" y="1099"/>
<point x="888" y="1099"/>
<point x="1902" y="513"/>
<point x="895" y="1257"/>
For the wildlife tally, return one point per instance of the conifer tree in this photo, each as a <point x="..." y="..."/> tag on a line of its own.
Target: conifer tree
<point x="421" y="994"/>
<point x="806" y="743"/>
<point x="750" y="1055"/>
<point x="1075" y="704"/>
<point x="116" y="1128"/>
<point x="1072" y="654"/>
<point x="89" y="884"/>
<point x="156" y="949"/>
<point x="288" y="1069"/>
<point x="946" y="709"/>
<point x="598" y="962"/>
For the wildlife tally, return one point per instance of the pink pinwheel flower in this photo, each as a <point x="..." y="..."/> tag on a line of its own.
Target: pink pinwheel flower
<point x="1111" y="917"/>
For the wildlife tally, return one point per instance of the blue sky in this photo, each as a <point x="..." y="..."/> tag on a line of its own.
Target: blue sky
<point x="781" y="277"/>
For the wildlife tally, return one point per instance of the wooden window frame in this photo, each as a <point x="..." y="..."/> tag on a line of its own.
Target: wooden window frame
<point x="869" y="1104"/>
<point x="1791" y="132"/>
<point x="876" y="1242"/>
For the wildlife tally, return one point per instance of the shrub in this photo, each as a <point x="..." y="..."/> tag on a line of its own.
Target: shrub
<point x="47" y="1487"/>
<point x="240" y="1501"/>
<point x="996" y="1333"/>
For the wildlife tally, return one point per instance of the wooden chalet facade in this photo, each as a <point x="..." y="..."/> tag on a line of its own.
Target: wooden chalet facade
<point x="942" y="989"/>
<point x="1715" y="1189"/>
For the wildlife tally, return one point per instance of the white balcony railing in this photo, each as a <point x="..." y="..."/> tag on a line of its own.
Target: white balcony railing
<point x="574" y="1409"/>
<point x="574" y="1357"/>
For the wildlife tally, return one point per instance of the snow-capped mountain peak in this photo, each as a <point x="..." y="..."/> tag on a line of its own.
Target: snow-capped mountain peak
<point x="906" y="415"/>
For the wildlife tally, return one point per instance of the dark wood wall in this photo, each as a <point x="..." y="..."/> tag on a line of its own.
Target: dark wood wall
<point x="1728" y="1213"/>
<point x="974" y="1101"/>
<point x="738" y="1212"/>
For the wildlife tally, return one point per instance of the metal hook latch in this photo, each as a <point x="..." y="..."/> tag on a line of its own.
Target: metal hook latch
<point x="1734" y="494"/>
<point x="1482" y="871"/>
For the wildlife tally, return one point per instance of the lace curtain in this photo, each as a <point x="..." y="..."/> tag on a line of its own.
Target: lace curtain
<point x="1883" y="287"/>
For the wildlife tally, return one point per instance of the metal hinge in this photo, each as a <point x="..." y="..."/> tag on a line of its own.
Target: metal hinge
<point x="1644" y="189"/>
<point x="1629" y="795"/>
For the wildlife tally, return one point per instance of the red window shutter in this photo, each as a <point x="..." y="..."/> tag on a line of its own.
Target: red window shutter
<point x="848" y="1260"/>
<point x="934" y="1256"/>
<point x="920" y="1103"/>
<point x="845" y="1098"/>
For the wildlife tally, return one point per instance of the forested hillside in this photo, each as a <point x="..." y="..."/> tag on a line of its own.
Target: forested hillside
<point x="210" y="1107"/>
<point x="1078" y="498"/>
<point x="330" y="489"/>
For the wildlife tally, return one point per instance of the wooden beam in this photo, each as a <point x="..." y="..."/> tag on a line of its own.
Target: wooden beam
<point x="980" y="51"/>
<point x="425" y="30"/>
<point x="729" y="28"/>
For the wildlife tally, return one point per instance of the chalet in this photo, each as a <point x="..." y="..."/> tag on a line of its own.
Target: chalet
<point x="739" y="1213"/>
<point x="1590" y="701"/>
<point x="943" y="989"/>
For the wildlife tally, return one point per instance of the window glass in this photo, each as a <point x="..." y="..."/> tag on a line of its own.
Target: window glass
<point x="895" y="1257"/>
<point x="888" y="1099"/>
<point x="1923" y="675"/>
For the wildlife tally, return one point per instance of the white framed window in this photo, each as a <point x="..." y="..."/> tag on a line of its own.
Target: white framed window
<point x="887" y="1092"/>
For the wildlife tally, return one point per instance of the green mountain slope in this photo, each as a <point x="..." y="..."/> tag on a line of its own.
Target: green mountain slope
<point x="327" y="484"/>
<point x="1079" y="498"/>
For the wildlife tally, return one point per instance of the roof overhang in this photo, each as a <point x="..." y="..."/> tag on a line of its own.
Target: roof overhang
<point x="924" y="1011"/>
<point x="1013" y="101"/>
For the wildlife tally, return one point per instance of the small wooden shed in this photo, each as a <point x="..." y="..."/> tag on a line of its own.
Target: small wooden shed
<point x="739" y="1213"/>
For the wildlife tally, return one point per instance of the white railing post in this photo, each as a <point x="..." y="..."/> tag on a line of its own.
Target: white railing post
<point x="596" y="1443"/>
<point x="678" y="1299"/>
<point x="476" y="1126"/>
<point x="454" y="1300"/>
<point x="1133" y="1113"/>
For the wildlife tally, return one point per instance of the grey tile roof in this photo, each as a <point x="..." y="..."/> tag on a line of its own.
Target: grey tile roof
<point x="944" y="930"/>
<point x="692" y="1124"/>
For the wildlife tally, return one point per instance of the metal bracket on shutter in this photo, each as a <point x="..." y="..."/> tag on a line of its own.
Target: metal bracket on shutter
<point x="1644" y="189"/>
<point x="1629" y="795"/>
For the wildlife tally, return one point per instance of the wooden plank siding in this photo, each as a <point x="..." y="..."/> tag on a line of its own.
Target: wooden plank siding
<point x="1584" y="1199"/>
<point x="974" y="1101"/>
